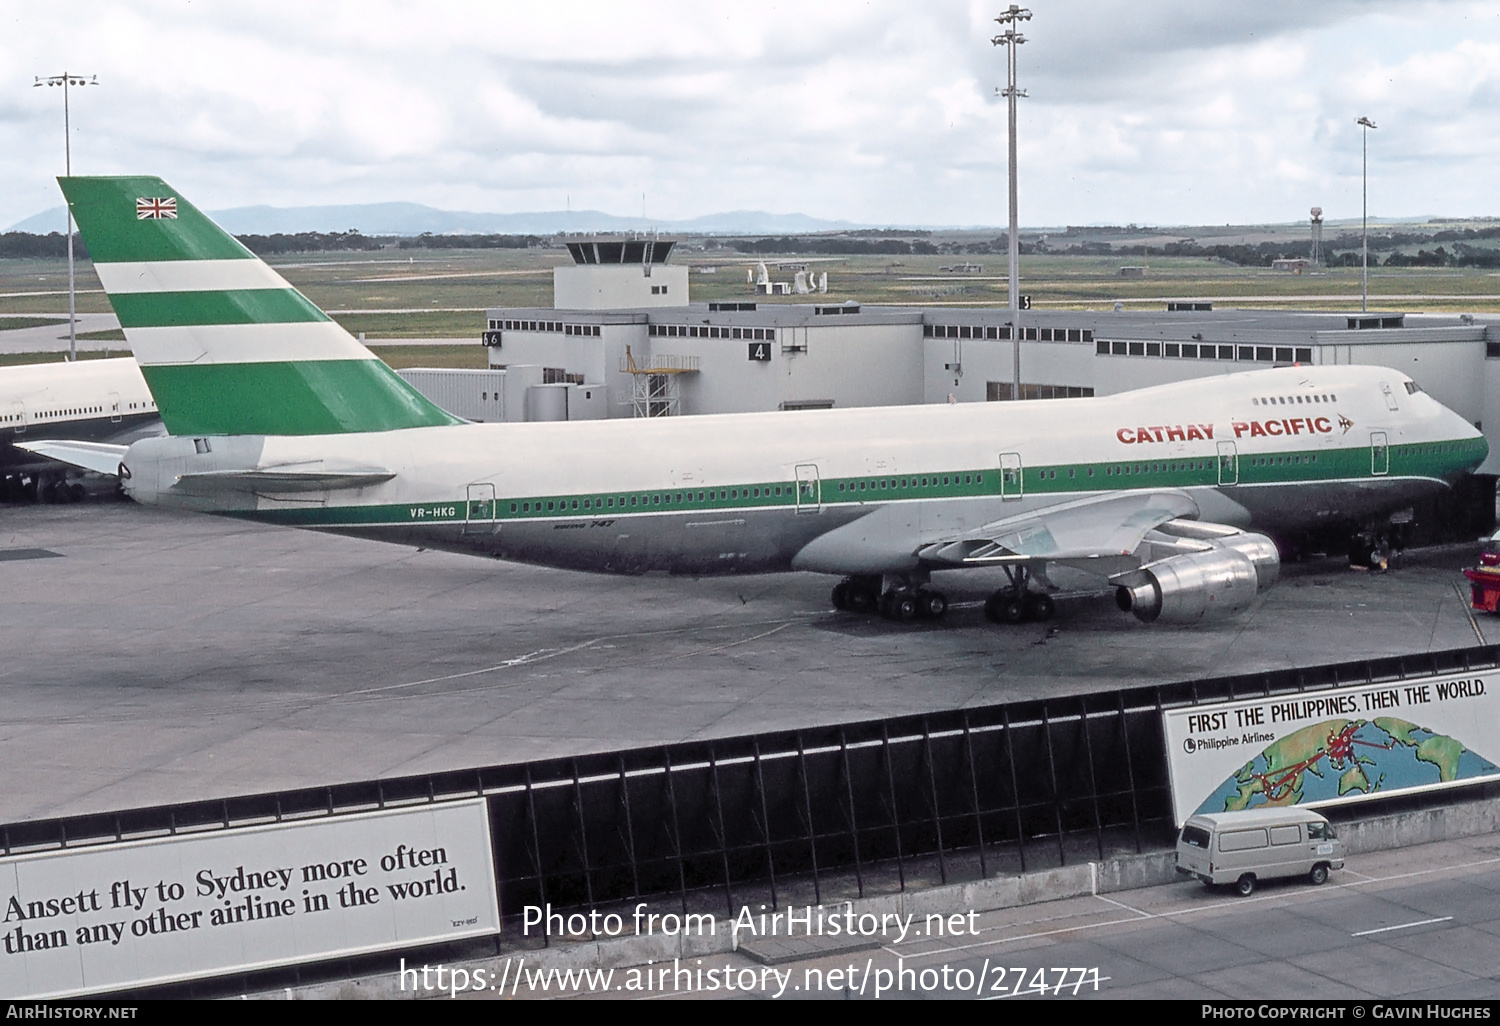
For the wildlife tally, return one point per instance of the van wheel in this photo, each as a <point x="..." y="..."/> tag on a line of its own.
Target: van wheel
<point x="1319" y="874"/>
<point x="1245" y="884"/>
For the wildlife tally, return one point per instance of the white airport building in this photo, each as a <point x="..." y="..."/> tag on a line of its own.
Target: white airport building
<point x="623" y="339"/>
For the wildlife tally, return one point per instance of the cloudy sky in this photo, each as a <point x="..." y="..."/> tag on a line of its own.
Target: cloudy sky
<point x="882" y="112"/>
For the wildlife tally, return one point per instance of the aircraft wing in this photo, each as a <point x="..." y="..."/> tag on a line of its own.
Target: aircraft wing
<point x="100" y="457"/>
<point x="1072" y="532"/>
<point x="1099" y="533"/>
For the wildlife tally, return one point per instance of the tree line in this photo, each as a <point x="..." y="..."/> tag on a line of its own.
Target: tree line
<point x="24" y="245"/>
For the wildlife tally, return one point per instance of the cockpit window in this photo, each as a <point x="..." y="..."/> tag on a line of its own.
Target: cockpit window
<point x="1412" y="388"/>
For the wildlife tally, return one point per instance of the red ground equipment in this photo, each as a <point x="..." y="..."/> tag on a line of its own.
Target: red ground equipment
<point x="1484" y="583"/>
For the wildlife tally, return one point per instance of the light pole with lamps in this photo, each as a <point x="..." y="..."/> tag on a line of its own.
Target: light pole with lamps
<point x="66" y="80"/>
<point x="1012" y="38"/>
<point x="1364" y="220"/>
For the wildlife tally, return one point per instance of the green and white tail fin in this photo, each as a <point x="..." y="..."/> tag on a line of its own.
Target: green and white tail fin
<point x="227" y="346"/>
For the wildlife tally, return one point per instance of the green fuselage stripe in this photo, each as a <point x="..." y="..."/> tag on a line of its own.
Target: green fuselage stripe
<point x="300" y="397"/>
<point x="1433" y="461"/>
<point x="230" y="306"/>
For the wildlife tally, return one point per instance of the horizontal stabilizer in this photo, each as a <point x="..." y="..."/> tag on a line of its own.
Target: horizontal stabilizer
<point x="99" y="457"/>
<point x="297" y="477"/>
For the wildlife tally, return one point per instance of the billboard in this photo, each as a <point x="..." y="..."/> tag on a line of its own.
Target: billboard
<point x="139" y="913"/>
<point x="1318" y="748"/>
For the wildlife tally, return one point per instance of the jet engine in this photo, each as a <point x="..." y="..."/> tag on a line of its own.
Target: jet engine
<point x="1217" y="575"/>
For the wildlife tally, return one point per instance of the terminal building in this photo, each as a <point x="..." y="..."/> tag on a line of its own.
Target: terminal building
<point x="624" y="339"/>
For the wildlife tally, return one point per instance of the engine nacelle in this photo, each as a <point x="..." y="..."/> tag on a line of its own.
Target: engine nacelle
<point x="1195" y="586"/>
<point x="1262" y="553"/>
<point x="1258" y="548"/>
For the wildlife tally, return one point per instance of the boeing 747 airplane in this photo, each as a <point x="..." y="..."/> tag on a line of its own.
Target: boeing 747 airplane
<point x="88" y="400"/>
<point x="277" y="415"/>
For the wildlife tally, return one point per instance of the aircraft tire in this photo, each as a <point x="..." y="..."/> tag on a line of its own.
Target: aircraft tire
<point x="992" y="608"/>
<point x="48" y="493"/>
<point x="1005" y="606"/>
<point x="1040" y="607"/>
<point x="841" y="596"/>
<point x="76" y="492"/>
<point x="903" y="607"/>
<point x="932" y="605"/>
<point x="861" y="599"/>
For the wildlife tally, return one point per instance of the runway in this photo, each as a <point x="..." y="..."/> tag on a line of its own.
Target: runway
<point x="161" y="657"/>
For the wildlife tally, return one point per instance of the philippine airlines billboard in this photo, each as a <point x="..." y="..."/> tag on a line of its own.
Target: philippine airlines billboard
<point x="1321" y="748"/>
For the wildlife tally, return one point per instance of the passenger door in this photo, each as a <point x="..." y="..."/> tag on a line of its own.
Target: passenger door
<point x="1012" y="480"/>
<point x="1290" y="853"/>
<point x="1229" y="464"/>
<point x="479" y="510"/>
<point x="1380" y="454"/>
<point x="809" y="488"/>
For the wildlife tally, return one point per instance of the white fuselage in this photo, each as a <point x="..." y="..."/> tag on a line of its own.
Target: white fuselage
<point x="95" y="400"/>
<point x="1278" y="449"/>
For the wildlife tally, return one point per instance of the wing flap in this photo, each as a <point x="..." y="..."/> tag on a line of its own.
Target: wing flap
<point x="1102" y="532"/>
<point x="1085" y="529"/>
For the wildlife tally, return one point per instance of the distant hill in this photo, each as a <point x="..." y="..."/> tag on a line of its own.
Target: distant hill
<point x="415" y="218"/>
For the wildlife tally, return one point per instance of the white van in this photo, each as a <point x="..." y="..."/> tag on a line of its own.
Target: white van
<point x="1243" y="847"/>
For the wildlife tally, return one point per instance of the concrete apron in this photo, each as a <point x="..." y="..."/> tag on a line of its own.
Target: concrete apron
<point x="1127" y="872"/>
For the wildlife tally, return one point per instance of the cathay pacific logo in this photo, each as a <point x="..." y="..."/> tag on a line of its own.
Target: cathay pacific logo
<point x="1165" y="433"/>
<point x="1289" y="426"/>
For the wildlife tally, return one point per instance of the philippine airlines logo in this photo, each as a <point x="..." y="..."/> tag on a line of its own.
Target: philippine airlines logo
<point x="156" y="208"/>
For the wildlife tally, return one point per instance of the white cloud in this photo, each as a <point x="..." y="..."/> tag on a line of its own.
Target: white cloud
<point x="881" y="112"/>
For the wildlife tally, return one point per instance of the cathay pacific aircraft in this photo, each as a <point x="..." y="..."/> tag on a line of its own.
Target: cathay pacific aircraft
<point x="277" y="415"/>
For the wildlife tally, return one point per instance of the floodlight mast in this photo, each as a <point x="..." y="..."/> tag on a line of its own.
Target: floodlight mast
<point x="1364" y="220"/>
<point x="1011" y="38"/>
<point x="66" y="80"/>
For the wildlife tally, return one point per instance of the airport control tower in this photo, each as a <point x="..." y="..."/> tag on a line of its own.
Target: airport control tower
<point x="611" y="272"/>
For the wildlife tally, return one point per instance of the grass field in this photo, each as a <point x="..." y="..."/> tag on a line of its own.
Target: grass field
<point x="12" y="323"/>
<point x="397" y="294"/>
<point x="19" y="359"/>
<point x="469" y="357"/>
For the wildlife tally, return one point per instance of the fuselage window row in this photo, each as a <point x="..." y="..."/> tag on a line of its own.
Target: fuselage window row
<point x="1288" y="400"/>
<point x="741" y="494"/>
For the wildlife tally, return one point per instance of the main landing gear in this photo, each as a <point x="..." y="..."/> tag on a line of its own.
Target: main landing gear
<point x="1016" y="604"/>
<point x="905" y="598"/>
<point x="896" y="598"/>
